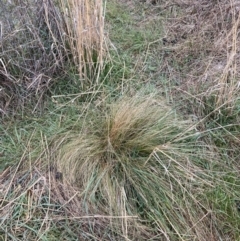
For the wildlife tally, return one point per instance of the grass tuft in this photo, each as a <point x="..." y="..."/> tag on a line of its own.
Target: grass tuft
<point x="138" y="158"/>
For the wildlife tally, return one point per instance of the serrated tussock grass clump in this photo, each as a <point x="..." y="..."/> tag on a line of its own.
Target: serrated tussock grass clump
<point x="137" y="157"/>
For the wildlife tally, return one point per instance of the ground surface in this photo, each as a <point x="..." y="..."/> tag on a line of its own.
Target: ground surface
<point x="147" y="150"/>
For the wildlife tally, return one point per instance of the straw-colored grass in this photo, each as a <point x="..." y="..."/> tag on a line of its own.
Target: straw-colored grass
<point x="85" y="30"/>
<point x="138" y="158"/>
<point x="43" y="42"/>
<point x="201" y="41"/>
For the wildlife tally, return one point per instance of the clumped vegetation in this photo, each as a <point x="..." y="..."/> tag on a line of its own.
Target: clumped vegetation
<point x="135" y="159"/>
<point x="119" y="120"/>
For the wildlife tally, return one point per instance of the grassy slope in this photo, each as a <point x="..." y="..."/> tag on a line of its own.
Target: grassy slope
<point x="138" y="62"/>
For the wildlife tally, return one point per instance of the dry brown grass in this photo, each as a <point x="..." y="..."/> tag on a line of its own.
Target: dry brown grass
<point x="84" y="27"/>
<point x="44" y="41"/>
<point x="36" y="203"/>
<point x="32" y="49"/>
<point x="202" y="38"/>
